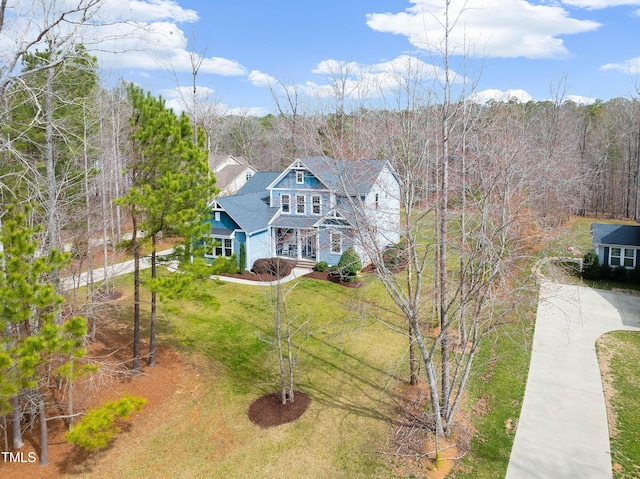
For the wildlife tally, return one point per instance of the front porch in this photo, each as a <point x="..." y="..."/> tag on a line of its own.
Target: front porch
<point x="296" y="243"/>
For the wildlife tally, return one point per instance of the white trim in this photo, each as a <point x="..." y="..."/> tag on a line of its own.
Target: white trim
<point x="623" y="256"/>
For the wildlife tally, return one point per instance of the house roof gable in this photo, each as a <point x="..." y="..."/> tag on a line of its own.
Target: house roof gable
<point x="614" y="234"/>
<point x="350" y="177"/>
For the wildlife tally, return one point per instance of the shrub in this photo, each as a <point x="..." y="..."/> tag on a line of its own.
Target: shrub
<point x="223" y="265"/>
<point x="274" y="266"/>
<point x="605" y="272"/>
<point x="96" y="429"/>
<point x="591" y="266"/>
<point x="243" y="258"/>
<point x="619" y="273"/>
<point x="348" y="266"/>
<point x="321" y="266"/>
<point x="634" y="275"/>
<point x="395" y="255"/>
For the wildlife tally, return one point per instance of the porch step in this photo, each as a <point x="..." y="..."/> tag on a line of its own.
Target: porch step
<point x="305" y="263"/>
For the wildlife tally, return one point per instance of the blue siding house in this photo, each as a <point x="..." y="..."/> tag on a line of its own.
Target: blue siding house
<point x="312" y="211"/>
<point x="616" y="245"/>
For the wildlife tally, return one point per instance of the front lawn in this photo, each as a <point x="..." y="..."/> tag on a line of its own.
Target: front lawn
<point x="348" y="363"/>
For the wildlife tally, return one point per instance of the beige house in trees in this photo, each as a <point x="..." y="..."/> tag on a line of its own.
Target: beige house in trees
<point x="231" y="172"/>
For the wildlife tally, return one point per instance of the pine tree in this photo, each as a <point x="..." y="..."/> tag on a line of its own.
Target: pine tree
<point x="171" y="187"/>
<point x="34" y="348"/>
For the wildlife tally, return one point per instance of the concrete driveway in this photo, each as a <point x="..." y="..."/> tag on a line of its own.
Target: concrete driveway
<point x="563" y="432"/>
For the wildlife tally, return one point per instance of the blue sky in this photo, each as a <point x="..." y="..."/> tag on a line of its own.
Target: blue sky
<point x="525" y="49"/>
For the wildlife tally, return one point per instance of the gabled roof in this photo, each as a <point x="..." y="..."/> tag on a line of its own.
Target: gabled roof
<point x="258" y="182"/>
<point x="346" y="177"/>
<point x="612" y="234"/>
<point x="226" y="168"/>
<point x="350" y="177"/>
<point x="249" y="207"/>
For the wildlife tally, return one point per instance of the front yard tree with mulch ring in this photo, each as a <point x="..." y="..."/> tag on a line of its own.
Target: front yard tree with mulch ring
<point x="282" y="407"/>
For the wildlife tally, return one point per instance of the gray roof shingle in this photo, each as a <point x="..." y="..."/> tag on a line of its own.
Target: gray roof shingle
<point x="612" y="234"/>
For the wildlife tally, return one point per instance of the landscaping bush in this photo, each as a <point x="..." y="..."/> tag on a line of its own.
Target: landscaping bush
<point x="243" y="258"/>
<point x="274" y="266"/>
<point x="321" y="266"/>
<point x="396" y="255"/>
<point x="605" y="272"/>
<point x="591" y="266"/>
<point x="619" y="274"/>
<point x="222" y="265"/>
<point x="634" y="275"/>
<point x="96" y="429"/>
<point x="348" y="267"/>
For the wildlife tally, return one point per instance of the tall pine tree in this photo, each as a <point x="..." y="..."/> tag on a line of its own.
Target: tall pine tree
<point x="170" y="188"/>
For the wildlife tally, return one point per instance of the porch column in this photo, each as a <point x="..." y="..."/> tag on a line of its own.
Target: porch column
<point x="299" y="244"/>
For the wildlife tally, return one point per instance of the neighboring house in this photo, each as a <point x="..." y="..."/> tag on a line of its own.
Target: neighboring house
<point x="616" y="245"/>
<point x="312" y="211"/>
<point x="231" y="172"/>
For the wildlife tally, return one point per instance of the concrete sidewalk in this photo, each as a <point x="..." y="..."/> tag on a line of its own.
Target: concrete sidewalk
<point x="117" y="269"/>
<point x="297" y="272"/>
<point x="563" y="432"/>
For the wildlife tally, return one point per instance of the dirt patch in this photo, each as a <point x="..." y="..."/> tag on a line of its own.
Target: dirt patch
<point x="268" y="410"/>
<point x="112" y="350"/>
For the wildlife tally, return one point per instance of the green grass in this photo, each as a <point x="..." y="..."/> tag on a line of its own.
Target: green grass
<point x="348" y="363"/>
<point x="623" y="349"/>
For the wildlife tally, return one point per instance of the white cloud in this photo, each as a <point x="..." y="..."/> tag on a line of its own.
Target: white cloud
<point x="496" y="28"/>
<point x="600" y="4"/>
<point x="581" y="100"/>
<point x="356" y="80"/>
<point x="630" y="67"/>
<point x="492" y="94"/>
<point x="137" y="34"/>
<point x="260" y="79"/>
<point x="146" y="11"/>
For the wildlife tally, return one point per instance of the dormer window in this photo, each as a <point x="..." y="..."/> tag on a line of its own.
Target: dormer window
<point x="299" y="177"/>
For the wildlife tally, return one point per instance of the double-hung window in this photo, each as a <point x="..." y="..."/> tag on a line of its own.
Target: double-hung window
<point x="316" y="204"/>
<point x="623" y="257"/>
<point x="336" y="243"/>
<point x="219" y="247"/>
<point x="285" y="205"/>
<point x="301" y="207"/>
<point x="299" y="177"/>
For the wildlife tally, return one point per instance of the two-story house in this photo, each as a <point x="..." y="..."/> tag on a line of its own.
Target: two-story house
<point x="312" y="211"/>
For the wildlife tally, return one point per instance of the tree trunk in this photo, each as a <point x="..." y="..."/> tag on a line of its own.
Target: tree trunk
<point x="413" y="362"/>
<point x="136" y="293"/>
<point x="152" y="328"/>
<point x="44" y="435"/>
<point x="16" y="418"/>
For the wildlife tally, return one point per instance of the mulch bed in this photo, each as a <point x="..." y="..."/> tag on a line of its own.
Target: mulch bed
<point x="268" y="411"/>
<point x="324" y="276"/>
